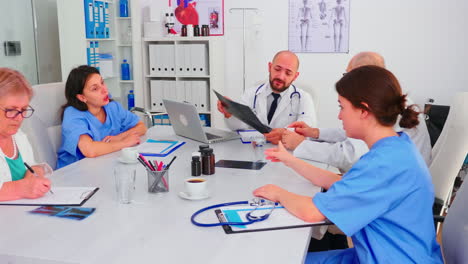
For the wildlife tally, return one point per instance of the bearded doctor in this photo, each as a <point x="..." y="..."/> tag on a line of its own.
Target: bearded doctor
<point x="278" y="102"/>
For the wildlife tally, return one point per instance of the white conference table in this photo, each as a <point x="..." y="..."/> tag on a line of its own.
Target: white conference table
<point x="155" y="228"/>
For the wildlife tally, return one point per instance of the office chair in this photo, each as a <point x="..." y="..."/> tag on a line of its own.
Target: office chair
<point x="436" y="116"/>
<point x="450" y="151"/>
<point x="44" y="127"/>
<point x="454" y="231"/>
<point x="146" y="115"/>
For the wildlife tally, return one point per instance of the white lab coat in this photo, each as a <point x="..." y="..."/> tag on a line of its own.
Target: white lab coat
<point x="334" y="148"/>
<point x="289" y="109"/>
<point x="24" y="147"/>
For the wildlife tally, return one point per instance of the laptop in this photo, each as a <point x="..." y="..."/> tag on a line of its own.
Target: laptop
<point x="186" y="123"/>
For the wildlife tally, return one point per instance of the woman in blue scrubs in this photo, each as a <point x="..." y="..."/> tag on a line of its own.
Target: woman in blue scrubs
<point x="384" y="202"/>
<point x="93" y="124"/>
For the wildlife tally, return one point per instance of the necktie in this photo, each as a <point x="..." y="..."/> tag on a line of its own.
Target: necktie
<point x="273" y="106"/>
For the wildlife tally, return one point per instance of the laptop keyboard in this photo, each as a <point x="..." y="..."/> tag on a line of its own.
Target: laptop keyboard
<point x="211" y="136"/>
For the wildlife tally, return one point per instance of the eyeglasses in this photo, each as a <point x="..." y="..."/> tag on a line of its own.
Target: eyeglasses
<point x="13" y="113"/>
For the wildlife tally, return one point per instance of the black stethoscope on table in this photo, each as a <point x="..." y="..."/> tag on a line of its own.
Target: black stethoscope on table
<point x="294" y="94"/>
<point x="257" y="202"/>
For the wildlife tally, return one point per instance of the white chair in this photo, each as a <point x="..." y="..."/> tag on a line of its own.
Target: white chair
<point x="455" y="231"/>
<point x="450" y="150"/>
<point x="44" y="127"/>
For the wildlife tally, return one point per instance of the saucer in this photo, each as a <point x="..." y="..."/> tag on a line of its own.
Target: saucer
<point x="127" y="161"/>
<point x="184" y="195"/>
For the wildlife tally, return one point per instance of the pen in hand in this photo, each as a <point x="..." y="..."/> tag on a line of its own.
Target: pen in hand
<point x="34" y="173"/>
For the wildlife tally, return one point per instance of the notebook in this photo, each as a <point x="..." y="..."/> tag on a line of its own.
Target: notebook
<point x="186" y="123"/>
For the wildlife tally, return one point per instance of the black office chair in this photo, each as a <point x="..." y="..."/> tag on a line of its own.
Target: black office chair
<point x="436" y="115"/>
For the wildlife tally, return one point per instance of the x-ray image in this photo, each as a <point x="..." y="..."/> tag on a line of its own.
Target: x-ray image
<point x="319" y="26"/>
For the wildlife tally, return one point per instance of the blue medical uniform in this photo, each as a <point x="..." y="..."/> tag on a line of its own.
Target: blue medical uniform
<point x="385" y="204"/>
<point x="76" y="123"/>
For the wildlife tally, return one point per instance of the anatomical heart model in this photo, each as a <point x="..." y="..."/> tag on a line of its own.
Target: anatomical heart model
<point x="186" y="12"/>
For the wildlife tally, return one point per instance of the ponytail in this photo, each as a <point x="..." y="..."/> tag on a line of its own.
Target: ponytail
<point x="409" y="117"/>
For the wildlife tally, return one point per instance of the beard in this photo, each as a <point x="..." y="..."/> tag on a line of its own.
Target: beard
<point x="278" y="85"/>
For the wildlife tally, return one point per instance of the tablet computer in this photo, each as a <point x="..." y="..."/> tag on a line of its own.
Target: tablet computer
<point x="240" y="164"/>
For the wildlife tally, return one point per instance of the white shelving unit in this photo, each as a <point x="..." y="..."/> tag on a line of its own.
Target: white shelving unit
<point x="125" y="35"/>
<point x="211" y="76"/>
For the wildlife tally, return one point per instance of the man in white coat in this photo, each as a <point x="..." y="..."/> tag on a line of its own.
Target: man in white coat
<point x="278" y="102"/>
<point x="331" y="146"/>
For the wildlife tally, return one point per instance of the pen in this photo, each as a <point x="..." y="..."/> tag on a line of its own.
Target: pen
<point x="144" y="164"/>
<point x="34" y="173"/>
<point x="160" y="165"/>
<point x="147" y="163"/>
<point x="168" y="165"/>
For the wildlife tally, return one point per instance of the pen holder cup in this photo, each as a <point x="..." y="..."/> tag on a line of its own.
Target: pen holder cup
<point x="158" y="181"/>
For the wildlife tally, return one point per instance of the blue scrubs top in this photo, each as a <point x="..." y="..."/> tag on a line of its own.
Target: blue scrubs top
<point x="385" y="204"/>
<point x="76" y="123"/>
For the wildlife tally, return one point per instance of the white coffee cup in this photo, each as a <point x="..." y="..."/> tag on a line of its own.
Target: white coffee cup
<point x="129" y="154"/>
<point x="196" y="187"/>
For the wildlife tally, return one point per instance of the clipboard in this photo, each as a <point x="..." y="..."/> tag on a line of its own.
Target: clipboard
<point x="166" y="147"/>
<point x="284" y="220"/>
<point x="62" y="196"/>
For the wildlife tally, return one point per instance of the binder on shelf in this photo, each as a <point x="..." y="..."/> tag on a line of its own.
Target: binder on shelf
<point x="89" y="18"/>
<point x="96" y="54"/>
<point x="156" y="88"/>
<point x="170" y="90"/>
<point x="180" y="91"/>
<point x="88" y="52"/>
<point x="187" y="60"/>
<point x="106" y="20"/>
<point x="200" y="88"/>
<point x="96" y="19"/>
<point x="92" y="62"/>
<point x="195" y="94"/>
<point x="198" y="59"/>
<point x="180" y="59"/>
<point x="188" y="91"/>
<point x="155" y="60"/>
<point x="168" y="59"/>
<point x="101" y="30"/>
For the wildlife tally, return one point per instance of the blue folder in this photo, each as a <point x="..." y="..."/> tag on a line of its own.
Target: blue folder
<point x="173" y="145"/>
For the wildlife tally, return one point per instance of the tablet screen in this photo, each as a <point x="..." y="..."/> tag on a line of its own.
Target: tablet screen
<point x="240" y="164"/>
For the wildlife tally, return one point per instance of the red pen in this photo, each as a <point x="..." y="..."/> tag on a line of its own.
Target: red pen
<point x="160" y="166"/>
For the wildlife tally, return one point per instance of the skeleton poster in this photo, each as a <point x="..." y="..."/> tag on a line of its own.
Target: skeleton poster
<point x="319" y="26"/>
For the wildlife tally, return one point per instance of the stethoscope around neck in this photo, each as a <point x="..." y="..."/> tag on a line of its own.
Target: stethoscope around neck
<point x="294" y="94"/>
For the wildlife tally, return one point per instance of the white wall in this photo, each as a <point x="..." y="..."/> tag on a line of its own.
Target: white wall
<point x="424" y="44"/>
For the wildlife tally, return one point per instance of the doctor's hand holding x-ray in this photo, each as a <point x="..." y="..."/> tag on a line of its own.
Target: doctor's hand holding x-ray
<point x="292" y="104"/>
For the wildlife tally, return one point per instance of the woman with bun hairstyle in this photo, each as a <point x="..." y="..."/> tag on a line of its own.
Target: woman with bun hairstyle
<point x="384" y="202"/>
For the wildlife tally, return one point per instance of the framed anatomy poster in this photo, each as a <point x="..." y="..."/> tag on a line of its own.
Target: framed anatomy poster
<point x="199" y="12"/>
<point x="319" y="26"/>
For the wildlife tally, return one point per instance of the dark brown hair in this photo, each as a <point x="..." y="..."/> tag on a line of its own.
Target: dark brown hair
<point x="381" y="91"/>
<point x="75" y="84"/>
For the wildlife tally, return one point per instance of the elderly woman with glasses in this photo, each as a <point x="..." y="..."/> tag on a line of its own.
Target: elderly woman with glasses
<point x="16" y="181"/>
